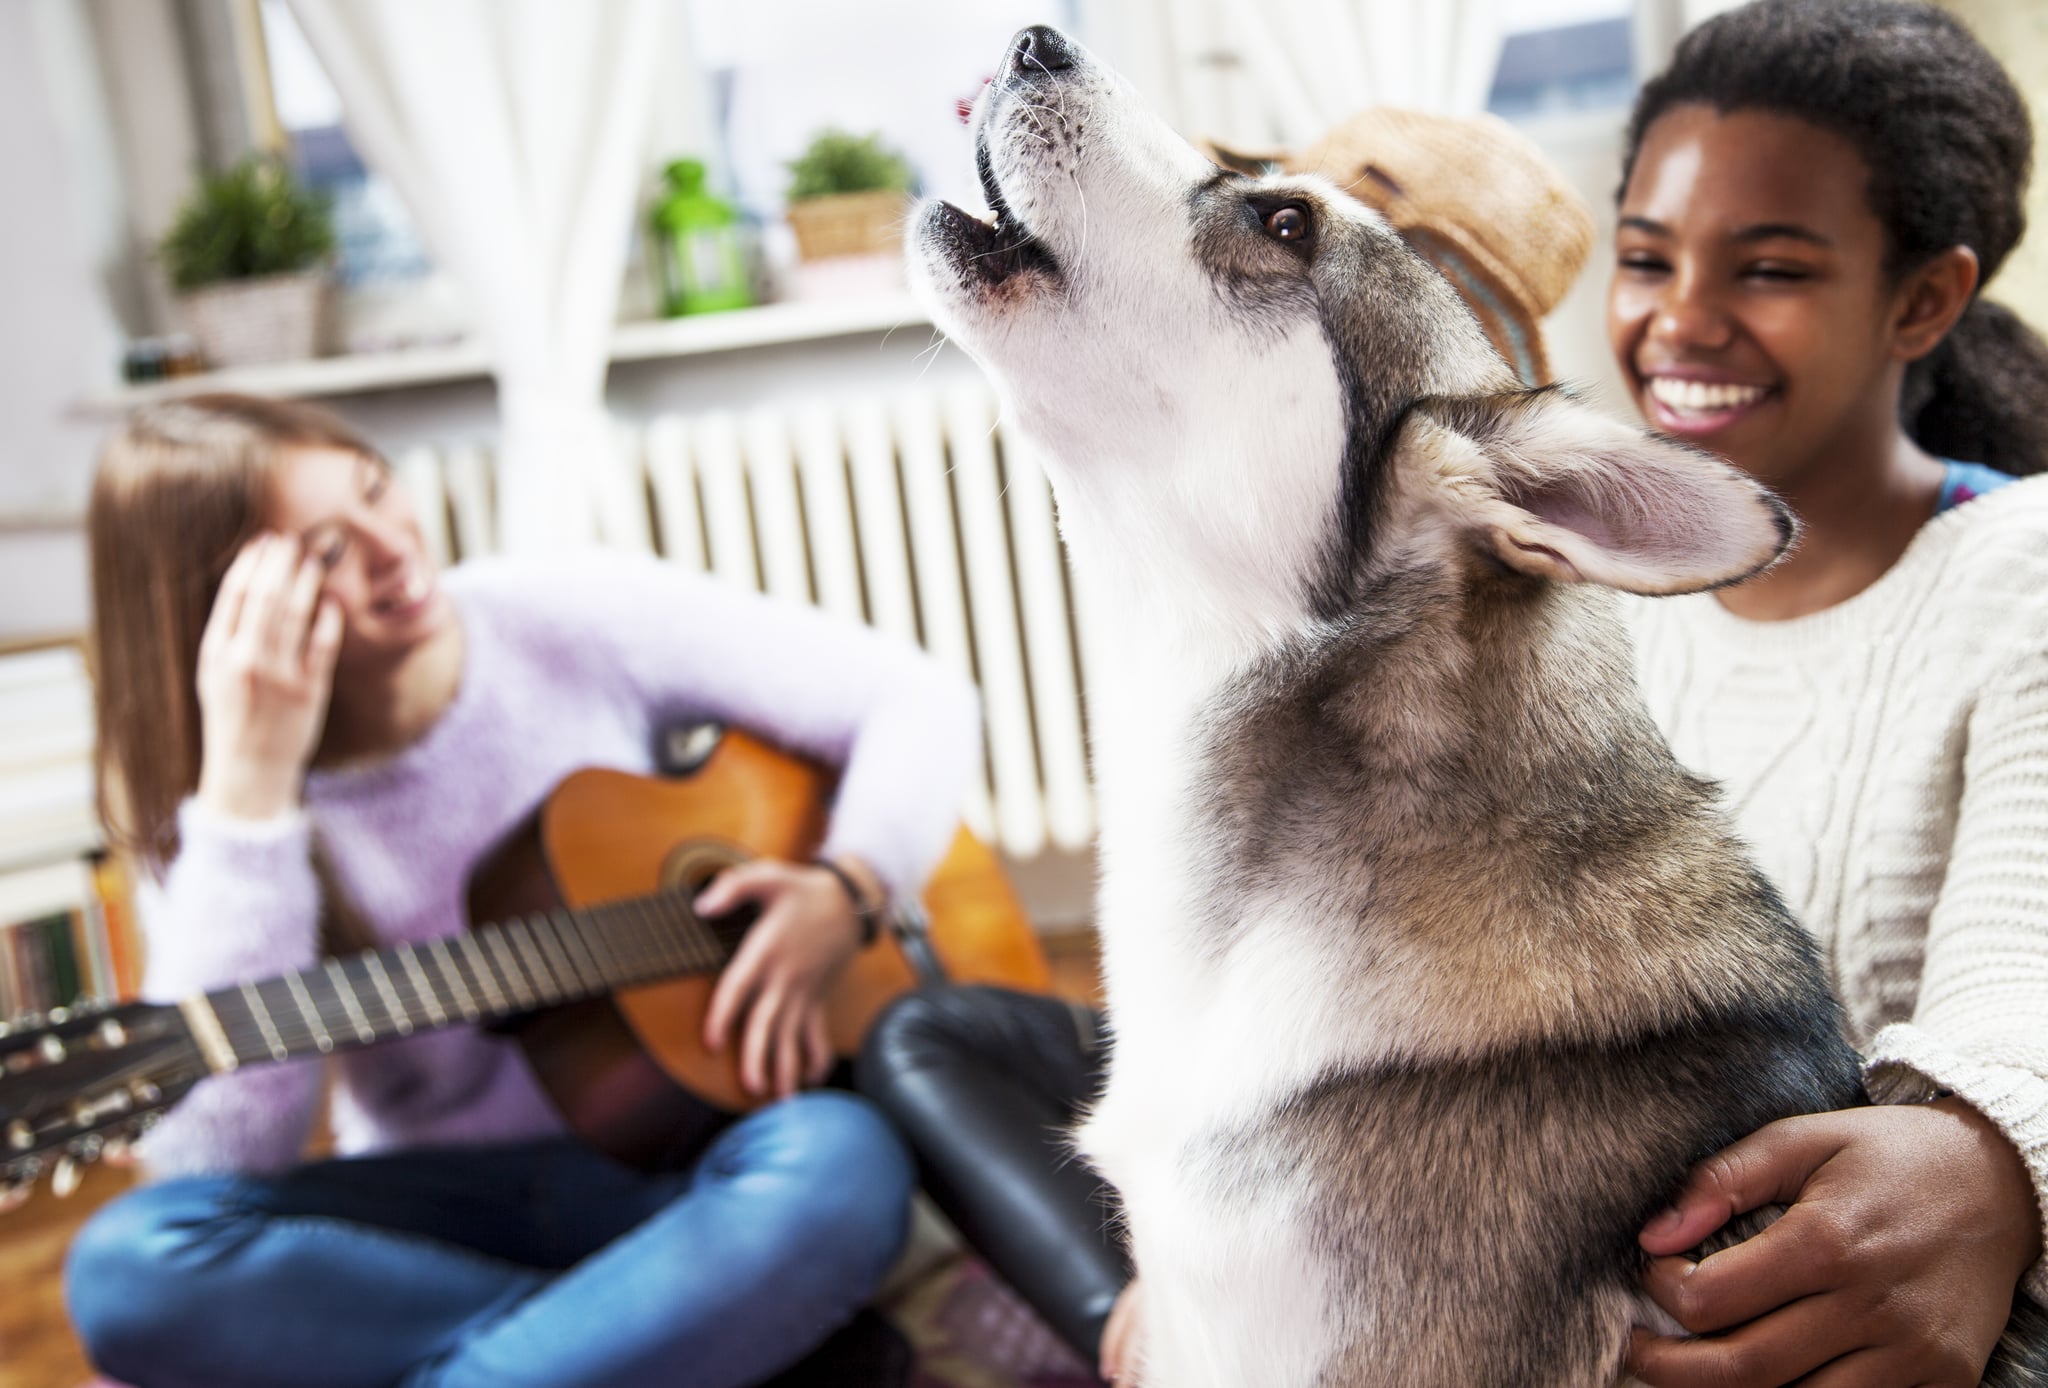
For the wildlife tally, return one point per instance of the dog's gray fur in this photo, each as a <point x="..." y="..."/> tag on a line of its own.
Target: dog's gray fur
<point x="1436" y="783"/>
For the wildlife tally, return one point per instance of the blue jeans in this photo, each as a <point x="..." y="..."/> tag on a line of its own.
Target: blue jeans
<point x="535" y="1264"/>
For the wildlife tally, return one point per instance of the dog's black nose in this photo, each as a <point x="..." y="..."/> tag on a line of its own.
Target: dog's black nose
<point x="1041" y="48"/>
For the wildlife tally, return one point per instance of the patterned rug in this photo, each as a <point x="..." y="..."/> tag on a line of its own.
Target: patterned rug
<point x="971" y="1331"/>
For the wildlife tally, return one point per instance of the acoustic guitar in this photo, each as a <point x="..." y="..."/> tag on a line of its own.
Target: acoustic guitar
<point x="596" y="961"/>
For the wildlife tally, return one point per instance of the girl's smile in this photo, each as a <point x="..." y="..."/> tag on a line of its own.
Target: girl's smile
<point x="1750" y="301"/>
<point x="1697" y="403"/>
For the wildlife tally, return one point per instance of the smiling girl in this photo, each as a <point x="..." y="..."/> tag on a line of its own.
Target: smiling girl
<point x="298" y="710"/>
<point x="1813" y="197"/>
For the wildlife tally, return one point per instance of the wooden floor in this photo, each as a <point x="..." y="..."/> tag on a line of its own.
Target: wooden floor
<point x="37" y="1349"/>
<point x="36" y="1346"/>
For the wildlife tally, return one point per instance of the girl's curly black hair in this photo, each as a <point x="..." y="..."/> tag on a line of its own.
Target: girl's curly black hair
<point x="1949" y="145"/>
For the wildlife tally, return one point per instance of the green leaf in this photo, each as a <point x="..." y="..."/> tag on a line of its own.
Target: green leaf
<point x="839" y="162"/>
<point x="247" y="221"/>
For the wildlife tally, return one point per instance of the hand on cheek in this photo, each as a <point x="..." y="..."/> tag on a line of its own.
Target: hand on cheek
<point x="1908" y="1230"/>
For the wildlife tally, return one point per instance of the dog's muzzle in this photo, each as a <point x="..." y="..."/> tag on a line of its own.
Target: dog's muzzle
<point x="995" y="252"/>
<point x="1039" y="51"/>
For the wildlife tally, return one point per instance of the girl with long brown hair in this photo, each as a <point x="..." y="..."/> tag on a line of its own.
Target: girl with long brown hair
<point x="298" y="711"/>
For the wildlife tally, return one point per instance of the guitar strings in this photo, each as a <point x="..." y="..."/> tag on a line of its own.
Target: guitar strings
<point x="502" y="969"/>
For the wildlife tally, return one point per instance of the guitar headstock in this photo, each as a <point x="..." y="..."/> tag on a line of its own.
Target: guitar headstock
<point x="79" y="1080"/>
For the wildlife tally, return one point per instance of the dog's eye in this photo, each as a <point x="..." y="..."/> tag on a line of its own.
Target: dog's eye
<point x="1287" y="224"/>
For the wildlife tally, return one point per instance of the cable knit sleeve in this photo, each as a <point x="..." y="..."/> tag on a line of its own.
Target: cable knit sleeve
<point x="240" y="902"/>
<point x="1980" y="1028"/>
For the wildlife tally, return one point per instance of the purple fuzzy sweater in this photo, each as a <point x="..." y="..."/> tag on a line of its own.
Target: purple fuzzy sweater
<point x="576" y="662"/>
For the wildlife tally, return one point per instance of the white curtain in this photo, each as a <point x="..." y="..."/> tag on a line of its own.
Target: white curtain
<point x="513" y="130"/>
<point x="1298" y="68"/>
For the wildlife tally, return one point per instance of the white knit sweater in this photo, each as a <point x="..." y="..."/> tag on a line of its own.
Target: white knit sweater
<point x="1887" y="761"/>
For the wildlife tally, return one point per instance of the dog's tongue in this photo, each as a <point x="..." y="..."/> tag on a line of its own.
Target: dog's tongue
<point x="963" y="107"/>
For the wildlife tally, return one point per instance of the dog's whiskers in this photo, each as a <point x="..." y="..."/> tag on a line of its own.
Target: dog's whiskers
<point x="930" y="355"/>
<point x="1058" y="91"/>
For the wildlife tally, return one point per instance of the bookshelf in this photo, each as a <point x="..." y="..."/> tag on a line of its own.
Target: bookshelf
<point x="66" y="926"/>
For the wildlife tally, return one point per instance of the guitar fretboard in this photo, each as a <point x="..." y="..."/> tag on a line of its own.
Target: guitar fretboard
<point x="492" y="972"/>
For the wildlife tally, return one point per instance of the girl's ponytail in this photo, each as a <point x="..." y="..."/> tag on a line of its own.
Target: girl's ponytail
<point x="1982" y="395"/>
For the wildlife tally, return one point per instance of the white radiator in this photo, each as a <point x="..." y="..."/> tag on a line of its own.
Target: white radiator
<point x="914" y="513"/>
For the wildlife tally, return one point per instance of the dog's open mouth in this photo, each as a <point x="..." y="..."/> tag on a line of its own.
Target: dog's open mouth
<point x="997" y="250"/>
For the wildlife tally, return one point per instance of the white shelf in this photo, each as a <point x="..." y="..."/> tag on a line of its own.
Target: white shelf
<point x="771" y="325"/>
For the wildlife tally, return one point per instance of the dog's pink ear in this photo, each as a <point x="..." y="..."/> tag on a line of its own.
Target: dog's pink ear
<point x="1568" y="494"/>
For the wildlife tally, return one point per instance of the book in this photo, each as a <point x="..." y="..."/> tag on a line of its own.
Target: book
<point x="45" y="937"/>
<point x="114" y="897"/>
<point x="47" y="808"/>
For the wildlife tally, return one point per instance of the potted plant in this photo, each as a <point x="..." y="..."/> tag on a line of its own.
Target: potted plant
<point x="248" y="254"/>
<point x="846" y="196"/>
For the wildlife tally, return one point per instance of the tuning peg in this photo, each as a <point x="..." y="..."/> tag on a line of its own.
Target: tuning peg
<point x="111" y="1034"/>
<point x="21" y="1135"/>
<point x="18" y="1181"/>
<point x="50" y="1050"/>
<point x="66" y="1177"/>
<point x="87" y="1111"/>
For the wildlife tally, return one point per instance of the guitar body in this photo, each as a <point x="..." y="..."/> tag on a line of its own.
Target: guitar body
<point x="582" y="942"/>
<point x="630" y="1072"/>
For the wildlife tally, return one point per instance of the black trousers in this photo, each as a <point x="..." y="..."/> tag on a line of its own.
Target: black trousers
<point x="985" y="1083"/>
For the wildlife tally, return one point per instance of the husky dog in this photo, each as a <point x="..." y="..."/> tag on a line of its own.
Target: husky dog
<point x="1432" y="972"/>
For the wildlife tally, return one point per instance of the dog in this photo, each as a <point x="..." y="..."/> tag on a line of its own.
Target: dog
<point x="1432" y="973"/>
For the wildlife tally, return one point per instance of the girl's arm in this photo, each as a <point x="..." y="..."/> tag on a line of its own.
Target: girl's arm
<point x="239" y="903"/>
<point x="1910" y="1222"/>
<point x="904" y="732"/>
<point x="903" y="729"/>
<point x="1980" y="1029"/>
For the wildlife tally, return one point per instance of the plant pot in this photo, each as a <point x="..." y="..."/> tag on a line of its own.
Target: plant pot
<point x="245" y="322"/>
<point x="848" y="224"/>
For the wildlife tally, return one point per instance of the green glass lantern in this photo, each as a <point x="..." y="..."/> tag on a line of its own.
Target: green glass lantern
<point x="699" y="245"/>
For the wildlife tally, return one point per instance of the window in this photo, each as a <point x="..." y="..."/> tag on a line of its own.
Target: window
<point x="378" y="245"/>
<point x="778" y="71"/>
<point x="1563" y="55"/>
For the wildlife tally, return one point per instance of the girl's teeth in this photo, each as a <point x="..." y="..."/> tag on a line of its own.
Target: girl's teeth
<point x="1703" y="397"/>
<point x="415" y="589"/>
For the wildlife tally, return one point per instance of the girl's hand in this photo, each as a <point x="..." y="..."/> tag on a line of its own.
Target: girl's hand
<point x="266" y="670"/>
<point x="1909" y="1228"/>
<point x="771" y="995"/>
<point x="1123" y="1337"/>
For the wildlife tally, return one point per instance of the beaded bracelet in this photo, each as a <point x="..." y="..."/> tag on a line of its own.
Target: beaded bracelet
<point x="864" y="911"/>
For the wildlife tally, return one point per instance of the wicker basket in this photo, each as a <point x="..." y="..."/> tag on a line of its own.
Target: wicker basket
<point x="244" y="322"/>
<point x="848" y="224"/>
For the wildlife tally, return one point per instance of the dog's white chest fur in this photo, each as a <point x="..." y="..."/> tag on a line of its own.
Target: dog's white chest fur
<point x="1204" y="1043"/>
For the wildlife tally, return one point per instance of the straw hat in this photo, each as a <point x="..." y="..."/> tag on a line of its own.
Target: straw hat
<point x="1475" y="197"/>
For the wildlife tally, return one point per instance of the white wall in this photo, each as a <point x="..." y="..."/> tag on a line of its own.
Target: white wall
<point x="1586" y="148"/>
<point x="57" y="337"/>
